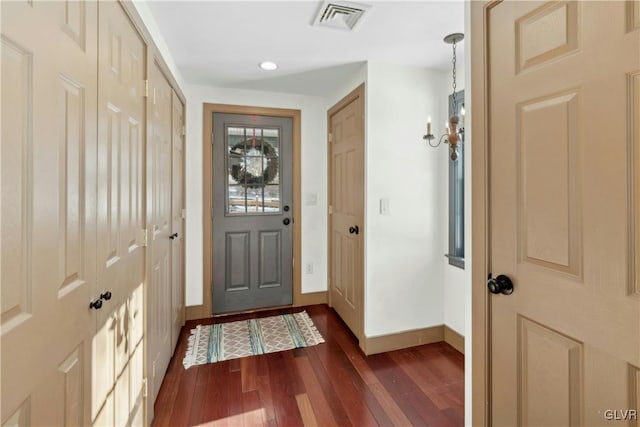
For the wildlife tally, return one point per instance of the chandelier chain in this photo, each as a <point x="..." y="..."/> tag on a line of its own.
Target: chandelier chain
<point x="455" y="101"/>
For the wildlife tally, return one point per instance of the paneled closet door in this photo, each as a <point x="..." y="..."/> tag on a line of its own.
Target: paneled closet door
<point x="159" y="147"/>
<point x="48" y="213"/>
<point x="177" y="215"/>
<point x="117" y="368"/>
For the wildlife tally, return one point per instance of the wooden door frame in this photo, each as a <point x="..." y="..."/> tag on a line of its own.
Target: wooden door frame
<point x="480" y="207"/>
<point x="358" y="92"/>
<point x="206" y="310"/>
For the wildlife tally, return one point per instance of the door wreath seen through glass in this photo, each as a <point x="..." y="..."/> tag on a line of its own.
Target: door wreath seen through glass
<point x="253" y="170"/>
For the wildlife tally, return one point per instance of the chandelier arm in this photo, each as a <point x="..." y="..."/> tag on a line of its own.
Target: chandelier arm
<point x="437" y="144"/>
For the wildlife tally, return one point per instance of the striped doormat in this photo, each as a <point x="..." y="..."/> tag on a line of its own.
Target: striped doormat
<point x="225" y="341"/>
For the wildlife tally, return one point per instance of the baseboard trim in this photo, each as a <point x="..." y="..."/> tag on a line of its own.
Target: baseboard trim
<point x="194" y="312"/>
<point x="312" y="298"/>
<point x="454" y="339"/>
<point x="397" y="341"/>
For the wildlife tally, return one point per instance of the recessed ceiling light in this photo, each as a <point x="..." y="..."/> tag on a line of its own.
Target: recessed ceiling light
<point x="268" y="65"/>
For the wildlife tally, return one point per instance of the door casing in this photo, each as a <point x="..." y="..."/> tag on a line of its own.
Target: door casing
<point x="205" y="310"/>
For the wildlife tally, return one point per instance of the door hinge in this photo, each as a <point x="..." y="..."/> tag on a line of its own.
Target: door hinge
<point x="146" y="88"/>
<point x="183" y="214"/>
<point x="145" y="388"/>
<point x="145" y="238"/>
<point x="330" y="209"/>
<point x="330" y="137"/>
<point x="183" y="131"/>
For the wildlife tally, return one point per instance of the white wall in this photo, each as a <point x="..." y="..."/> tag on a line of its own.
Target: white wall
<point x="404" y="270"/>
<point x="314" y="177"/>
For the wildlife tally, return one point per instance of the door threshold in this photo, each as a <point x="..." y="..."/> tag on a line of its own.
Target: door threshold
<point x="256" y="310"/>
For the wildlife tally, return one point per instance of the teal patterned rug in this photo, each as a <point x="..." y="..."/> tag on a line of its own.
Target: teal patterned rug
<point x="225" y="341"/>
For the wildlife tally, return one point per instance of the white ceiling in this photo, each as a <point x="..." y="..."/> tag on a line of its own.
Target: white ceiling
<point x="220" y="43"/>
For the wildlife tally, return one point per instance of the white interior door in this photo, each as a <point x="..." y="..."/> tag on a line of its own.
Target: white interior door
<point x="346" y="210"/>
<point x="118" y="348"/>
<point x="48" y="269"/>
<point x="177" y="215"/>
<point x="159" y="190"/>
<point x="564" y="138"/>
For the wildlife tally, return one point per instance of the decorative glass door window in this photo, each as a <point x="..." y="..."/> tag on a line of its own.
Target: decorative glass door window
<point x="253" y="181"/>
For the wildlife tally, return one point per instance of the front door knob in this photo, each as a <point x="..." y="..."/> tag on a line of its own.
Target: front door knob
<point x="286" y="221"/>
<point x="500" y="285"/>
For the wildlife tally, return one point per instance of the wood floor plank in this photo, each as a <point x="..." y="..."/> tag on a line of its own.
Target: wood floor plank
<point x="284" y="402"/>
<point x="414" y="403"/>
<point x="314" y="393"/>
<point x="393" y="411"/>
<point x="248" y="373"/>
<point x="266" y="400"/>
<point x="333" y="383"/>
<point x="343" y="378"/>
<point x="199" y="395"/>
<point x="338" y="411"/>
<point x="217" y="393"/>
<point x="306" y="411"/>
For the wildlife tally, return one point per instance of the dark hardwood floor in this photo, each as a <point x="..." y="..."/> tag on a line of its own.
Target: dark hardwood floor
<point x="324" y="385"/>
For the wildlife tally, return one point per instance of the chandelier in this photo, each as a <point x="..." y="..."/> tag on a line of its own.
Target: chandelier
<point x="454" y="128"/>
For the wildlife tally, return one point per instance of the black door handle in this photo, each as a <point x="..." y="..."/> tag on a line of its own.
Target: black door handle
<point x="500" y="285"/>
<point x="97" y="304"/>
<point x="354" y="230"/>
<point x="106" y="296"/>
<point x="286" y="221"/>
<point x="174" y="236"/>
<point x="286" y="208"/>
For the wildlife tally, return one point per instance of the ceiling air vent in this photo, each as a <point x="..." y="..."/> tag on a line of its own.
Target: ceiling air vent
<point x="341" y="15"/>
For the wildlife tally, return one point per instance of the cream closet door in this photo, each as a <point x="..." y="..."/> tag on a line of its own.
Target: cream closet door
<point x="159" y="199"/>
<point x="48" y="269"/>
<point x="117" y="368"/>
<point x="177" y="215"/>
<point x="564" y="144"/>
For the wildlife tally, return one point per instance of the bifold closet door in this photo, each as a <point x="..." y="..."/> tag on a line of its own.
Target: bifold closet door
<point x="47" y="233"/>
<point x="159" y="212"/>
<point x="177" y="215"/>
<point x="118" y="347"/>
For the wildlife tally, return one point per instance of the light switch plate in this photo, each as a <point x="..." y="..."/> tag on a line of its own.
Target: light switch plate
<point x="385" y="207"/>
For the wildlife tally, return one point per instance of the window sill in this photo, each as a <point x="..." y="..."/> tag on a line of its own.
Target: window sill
<point x="456" y="261"/>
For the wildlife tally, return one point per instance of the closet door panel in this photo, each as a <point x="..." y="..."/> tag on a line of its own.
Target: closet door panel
<point x="47" y="231"/>
<point x="117" y="376"/>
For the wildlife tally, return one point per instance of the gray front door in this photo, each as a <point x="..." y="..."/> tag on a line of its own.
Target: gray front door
<point x="252" y="212"/>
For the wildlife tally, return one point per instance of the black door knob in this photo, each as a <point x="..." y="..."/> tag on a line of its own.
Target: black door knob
<point x="500" y="285"/>
<point x="286" y="208"/>
<point x="286" y="221"/>
<point x="174" y="236"/>
<point x="96" y="305"/>
<point x="106" y="295"/>
<point x="354" y="230"/>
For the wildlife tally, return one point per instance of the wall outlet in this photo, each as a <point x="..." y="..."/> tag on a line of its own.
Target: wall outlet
<point x="309" y="268"/>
